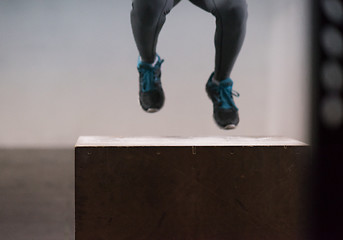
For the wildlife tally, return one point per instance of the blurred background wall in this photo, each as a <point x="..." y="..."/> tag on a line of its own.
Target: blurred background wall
<point x="68" y="68"/>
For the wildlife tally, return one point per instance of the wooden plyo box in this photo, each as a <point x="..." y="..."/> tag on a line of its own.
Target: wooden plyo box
<point x="190" y="188"/>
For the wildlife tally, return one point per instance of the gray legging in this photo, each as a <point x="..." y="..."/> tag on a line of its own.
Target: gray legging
<point x="148" y="17"/>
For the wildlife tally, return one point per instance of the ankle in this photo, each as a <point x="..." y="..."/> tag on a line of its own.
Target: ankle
<point x="152" y="63"/>
<point x="215" y="81"/>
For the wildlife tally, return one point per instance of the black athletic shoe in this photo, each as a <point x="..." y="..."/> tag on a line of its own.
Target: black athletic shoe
<point x="225" y="112"/>
<point x="151" y="95"/>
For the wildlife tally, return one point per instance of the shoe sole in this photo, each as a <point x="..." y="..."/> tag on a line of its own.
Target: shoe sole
<point x="152" y="110"/>
<point x="149" y="110"/>
<point x="230" y="126"/>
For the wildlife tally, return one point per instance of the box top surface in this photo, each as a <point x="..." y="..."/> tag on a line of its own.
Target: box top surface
<point x="107" y="141"/>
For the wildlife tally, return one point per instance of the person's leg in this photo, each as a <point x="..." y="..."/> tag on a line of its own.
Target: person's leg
<point x="231" y="16"/>
<point x="147" y="19"/>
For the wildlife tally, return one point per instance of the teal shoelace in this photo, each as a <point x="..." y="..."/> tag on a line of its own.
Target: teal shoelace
<point x="149" y="77"/>
<point x="225" y="94"/>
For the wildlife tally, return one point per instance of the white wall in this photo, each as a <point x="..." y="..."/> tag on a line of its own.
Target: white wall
<point x="68" y="68"/>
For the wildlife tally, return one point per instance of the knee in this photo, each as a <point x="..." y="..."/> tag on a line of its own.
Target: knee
<point x="147" y="12"/>
<point x="235" y="12"/>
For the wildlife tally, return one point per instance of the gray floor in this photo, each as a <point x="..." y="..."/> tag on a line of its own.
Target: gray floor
<point x="36" y="194"/>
